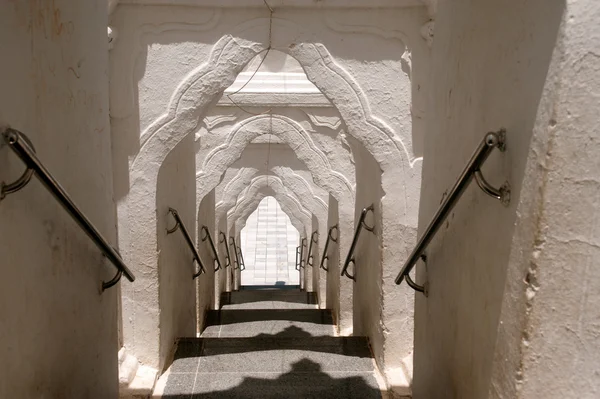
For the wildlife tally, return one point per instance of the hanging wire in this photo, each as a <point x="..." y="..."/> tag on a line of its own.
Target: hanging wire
<point x="269" y="147"/>
<point x="268" y="49"/>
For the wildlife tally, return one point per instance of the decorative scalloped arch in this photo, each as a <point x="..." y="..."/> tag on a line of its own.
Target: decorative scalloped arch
<point x="194" y="95"/>
<point x="248" y="203"/>
<point x="297" y="185"/>
<point x="241" y="218"/>
<point x="261" y="185"/>
<point x="289" y="131"/>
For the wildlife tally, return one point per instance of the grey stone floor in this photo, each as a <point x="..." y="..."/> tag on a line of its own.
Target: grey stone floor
<point x="277" y="352"/>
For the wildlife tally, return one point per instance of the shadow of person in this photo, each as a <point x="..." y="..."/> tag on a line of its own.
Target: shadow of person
<point x="306" y="379"/>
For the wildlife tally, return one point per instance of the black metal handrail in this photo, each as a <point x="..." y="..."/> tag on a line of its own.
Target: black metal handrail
<point x="361" y="225"/>
<point x="22" y="146"/>
<point x="188" y="240"/>
<point x="302" y="245"/>
<point x="310" y="257"/>
<point x="223" y="240"/>
<point x="242" y="262"/>
<point x="235" y="252"/>
<point x="472" y="170"/>
<point x="216" y="259"/>
<point x="297" y="258"/>
<point x="329" y="238"/>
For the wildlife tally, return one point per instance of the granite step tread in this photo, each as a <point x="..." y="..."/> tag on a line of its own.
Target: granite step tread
<point x="268" y="322"/>
<point x="310" y="367"/>
<point x="269" y="299"/>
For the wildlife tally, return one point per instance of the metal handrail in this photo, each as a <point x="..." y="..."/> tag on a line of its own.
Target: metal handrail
<point x="297" y="256"/>
<point x="235" y="252"/>
<point x="302" y="245"/>
<point x="223" y="240"/>
<point x="361" y="225"/>
<point x="329" y="238"/>
<point x="212" y="246"/>
<point x="188" y="239"/>
<point x="310" y="258"/>
<point x="242" y="262"/>
<point x="472" y="170"/>
<point x="21" y="145"/>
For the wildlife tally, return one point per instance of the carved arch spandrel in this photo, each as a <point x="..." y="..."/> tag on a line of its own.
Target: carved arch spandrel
<point x="274" y="184"/>
<point x="299" y="188"/>
<point x="292" y="133"/>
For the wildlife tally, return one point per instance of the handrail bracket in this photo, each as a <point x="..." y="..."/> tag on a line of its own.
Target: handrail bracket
<point x="206" y="236"/>
<point x="188" y="240"/>
<point x="20" y="144"/>
<point x="223" y="240"/>
<point x="491" y="141"/>
<point x="325" y="250"/>
<point x="107" y="284"/>
<point x="361" y="225"/>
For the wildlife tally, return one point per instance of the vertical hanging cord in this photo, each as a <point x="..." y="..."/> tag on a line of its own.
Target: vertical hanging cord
<point x="270" y="110"/>
<point x="269" y="147"/>
<point x="268" y="49"/>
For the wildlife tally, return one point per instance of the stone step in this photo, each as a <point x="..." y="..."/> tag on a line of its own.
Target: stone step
<point x="268" y="323"/>
<point x="269" y="299"/>
<point x="308" y="367"/>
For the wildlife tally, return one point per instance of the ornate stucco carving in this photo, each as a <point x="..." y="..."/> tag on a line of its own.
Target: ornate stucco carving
<point x="290" y="132"/>
<point x="260" y="187"/>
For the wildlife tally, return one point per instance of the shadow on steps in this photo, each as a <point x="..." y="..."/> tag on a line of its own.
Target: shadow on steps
<point x="306" y="379"/>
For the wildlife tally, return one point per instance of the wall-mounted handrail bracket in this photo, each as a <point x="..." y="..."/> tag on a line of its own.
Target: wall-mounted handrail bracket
<point x="107" y="284"/>
<point x="491" y="141"/>
<point x="177" y="225"/>
<point x="297" y="258"/>
<point x="235" y="252"/>
<point x="204" y="235"/>
<point x="329" y="238"/>
<point x="361" y="225"/>
<point x="11" y="137"/>
<point x="310" y="257"/>
<point x="20" y="144"/>
<point x="345" y="270"/>
<point x="188" y="240"/>
<point x="302" y="246"/>
<point x="242" y="262"/>
<point x="223" y="240"/>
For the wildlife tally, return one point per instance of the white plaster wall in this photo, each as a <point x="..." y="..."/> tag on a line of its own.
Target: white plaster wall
<point x="318" y="286"/>
<point x="177" y="298"/>
<point x="59" y="332"/>
<point x="547" y="344"/>
<point x="205" y="282"/>
<point x="226" y="257"/>
<point x="485" y="76"/>
<point x="222" y="273"/>
<point x="332" y="264"/>
<point x="367" y="293"/>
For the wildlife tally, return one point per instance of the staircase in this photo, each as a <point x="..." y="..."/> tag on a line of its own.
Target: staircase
<point x="270" y="343"/>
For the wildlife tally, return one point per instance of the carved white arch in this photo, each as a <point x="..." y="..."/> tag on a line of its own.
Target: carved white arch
<point x="305" y="199"/>
<point x="239" y="221"/>
<point x="206" y="83"/>
<point x="289" y="131"/>
<point x="232" y="52"/>
<point x="295" y="183"/>
<point x="256" y="192"/>
<point x="264" y="184"/>
<point x="189" y="102"/>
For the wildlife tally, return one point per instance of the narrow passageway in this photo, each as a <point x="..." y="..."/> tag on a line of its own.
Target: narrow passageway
<point x="270" y="343"/>
<point x="300" y="199"/>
